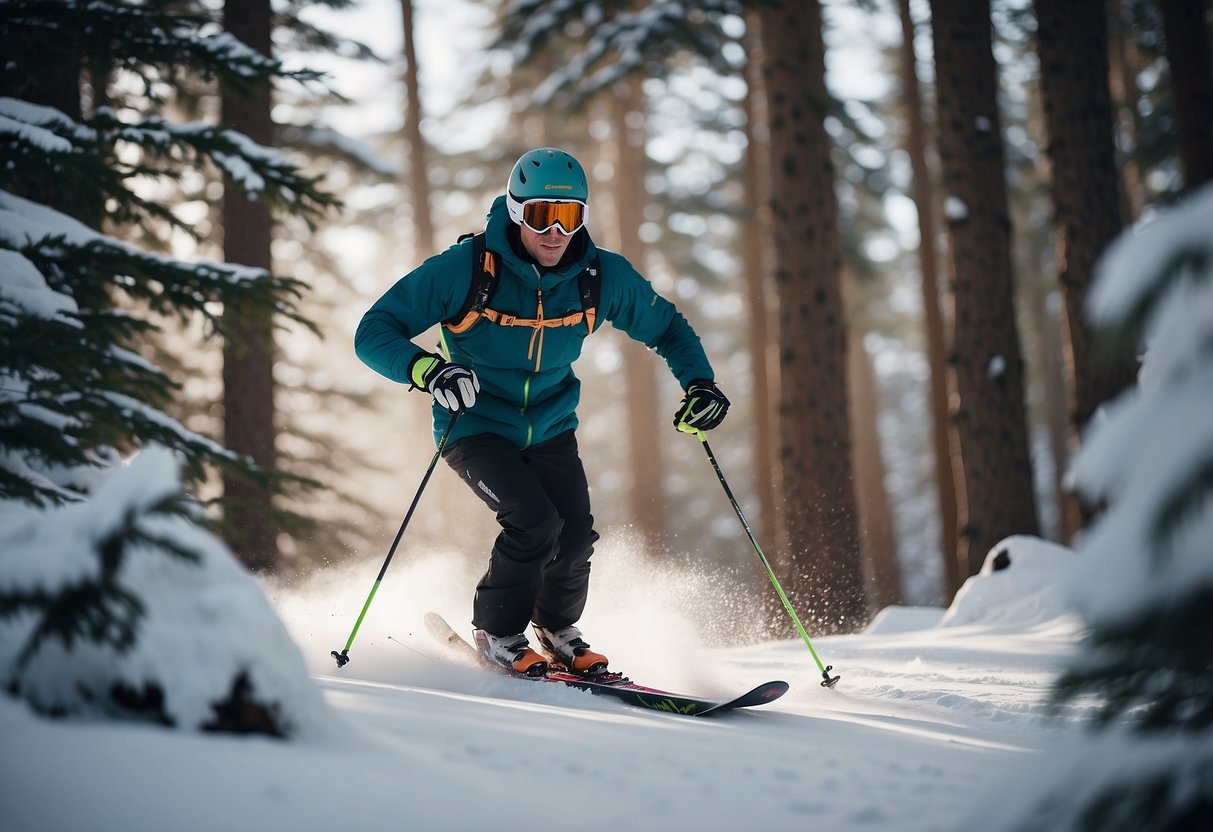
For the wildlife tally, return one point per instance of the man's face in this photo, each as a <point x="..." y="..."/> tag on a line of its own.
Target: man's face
<point x="547" y="248"/>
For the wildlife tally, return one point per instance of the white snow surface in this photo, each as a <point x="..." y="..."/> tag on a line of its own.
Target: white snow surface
<point x="929" y="725"/>
<point x="204" y="623"/>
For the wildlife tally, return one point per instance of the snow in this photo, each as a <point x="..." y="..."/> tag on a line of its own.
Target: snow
<point x="1149" y="248"/>
<point x="25" y="288"/>
<point x="997" y="367"/>
<point x="955" y="209"/>
<point x="205" y="619"/>
<point x="1147" y="448"/>
<point x="931" y="723"/>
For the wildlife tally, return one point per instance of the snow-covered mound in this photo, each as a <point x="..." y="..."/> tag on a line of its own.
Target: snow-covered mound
<point x="1024" y="581"/>
<point x="203" y="628"/>
<point x="898" y="619"/>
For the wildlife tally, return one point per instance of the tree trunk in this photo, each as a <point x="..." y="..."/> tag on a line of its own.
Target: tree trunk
<point x="1192" y="79"/>
<point x="1122" y="80"/>
<point x="876" y="532"/>
<point x="924" y="201"/>
<point x="1045" y="337"/>
<point x="418" y="151"/>
<point x="640" y="368"/>
<point x="1072" y="42"/>
<point x="988" y="412"/>
<point x="754" y="254"/>
<point x="248" y="355"/>
<point x="820" y="535"/>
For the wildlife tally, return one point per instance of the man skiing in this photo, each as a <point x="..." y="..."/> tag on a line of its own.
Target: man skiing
<point x="515" y="304"/>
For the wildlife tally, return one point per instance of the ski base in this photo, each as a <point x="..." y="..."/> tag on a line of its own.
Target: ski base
<point x="614" y="685"/>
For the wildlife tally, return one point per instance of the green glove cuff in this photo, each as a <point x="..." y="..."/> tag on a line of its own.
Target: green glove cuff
<point x="422" y="368"/>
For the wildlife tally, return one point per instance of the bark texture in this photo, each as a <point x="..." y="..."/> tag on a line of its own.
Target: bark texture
<point x="248" y="355"/>
<point x="988" y="404"/>
<point x="418" y="151"/>
<point x="924" y="201"/>
<point x="640" y="366"/>
<point x="1073" y="46"/>
<point x="820" y="535"/>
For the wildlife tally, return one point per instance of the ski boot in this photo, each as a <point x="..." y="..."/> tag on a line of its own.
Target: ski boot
<point x="566" y="646"/>
<point x="513" y="653"/>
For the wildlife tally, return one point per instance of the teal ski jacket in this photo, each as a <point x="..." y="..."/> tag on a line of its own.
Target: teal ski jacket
<point x="528" y="392"/>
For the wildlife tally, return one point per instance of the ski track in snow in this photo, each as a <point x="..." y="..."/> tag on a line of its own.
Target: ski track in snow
<point x="921" y="725"/>
<point x="931" y="724"/>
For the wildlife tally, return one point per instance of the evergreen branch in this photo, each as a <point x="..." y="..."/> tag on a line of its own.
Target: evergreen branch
<point x="1155" y="670"/>
<point x="1192" y="261"/>
<point x="254" y="168"/>
<point x="1185" y="499"/>
<point x="98" y="609"/>
<point x="156" y="42"/>
<point x="618" y="41"/>
<point x="172" y="287"/>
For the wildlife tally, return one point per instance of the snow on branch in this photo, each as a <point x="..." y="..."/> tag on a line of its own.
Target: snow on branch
<point x="616" y="43"/>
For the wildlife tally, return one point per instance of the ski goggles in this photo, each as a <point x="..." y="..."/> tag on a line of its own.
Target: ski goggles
<point x="541" y="215"/>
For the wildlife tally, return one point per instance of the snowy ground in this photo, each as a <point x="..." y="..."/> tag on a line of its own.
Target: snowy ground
<point x="933" y="723"/>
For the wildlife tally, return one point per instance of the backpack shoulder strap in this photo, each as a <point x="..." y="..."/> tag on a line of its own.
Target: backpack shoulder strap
<point x="484" y="283"/>
<point x="589" y="284"/>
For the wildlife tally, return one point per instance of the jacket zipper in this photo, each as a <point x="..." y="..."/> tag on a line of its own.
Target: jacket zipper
<point x="526" y="385"/>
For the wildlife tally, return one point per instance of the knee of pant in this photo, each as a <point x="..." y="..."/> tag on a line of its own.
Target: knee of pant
<point x="539" y="530"/>
<point x="578" y="539"/>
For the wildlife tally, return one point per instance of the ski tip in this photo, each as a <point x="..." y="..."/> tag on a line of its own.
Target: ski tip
<point x="773" y="690"/>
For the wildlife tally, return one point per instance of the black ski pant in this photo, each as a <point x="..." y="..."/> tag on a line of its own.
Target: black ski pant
<point x="539" y="569"/>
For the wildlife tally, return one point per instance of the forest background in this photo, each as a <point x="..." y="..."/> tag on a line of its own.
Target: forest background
<point x="873" y="241"/>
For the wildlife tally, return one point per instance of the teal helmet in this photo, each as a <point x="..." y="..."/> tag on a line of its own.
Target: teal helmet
<point x="545" y="173"/>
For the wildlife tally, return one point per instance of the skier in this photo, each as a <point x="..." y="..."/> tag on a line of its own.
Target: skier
<point x="515" y="305"/>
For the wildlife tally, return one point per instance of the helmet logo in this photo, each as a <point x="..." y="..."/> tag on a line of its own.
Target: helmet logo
<point x="558" y="187"/>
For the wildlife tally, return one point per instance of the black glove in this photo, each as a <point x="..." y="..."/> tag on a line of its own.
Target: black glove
<point x="452" y="385"/>
<point x="702" y="408"/>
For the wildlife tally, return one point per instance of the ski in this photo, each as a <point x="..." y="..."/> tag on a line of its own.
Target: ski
<point x="611" y="684"/>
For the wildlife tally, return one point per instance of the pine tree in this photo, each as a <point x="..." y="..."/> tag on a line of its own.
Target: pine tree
<point x="1147" y="593"/>
<point x="75" y="396"/>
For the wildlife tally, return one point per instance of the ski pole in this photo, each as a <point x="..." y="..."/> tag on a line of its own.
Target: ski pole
<point x="828" y="681"/>
<point x="343" y="657"/>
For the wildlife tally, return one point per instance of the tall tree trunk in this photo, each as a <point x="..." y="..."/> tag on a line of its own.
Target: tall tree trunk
<point x="248" y="354"/>
<point x="988" y="415"/>
<point x="1122" y="81"/>
<point x="640" y="369"/>
<point x="1192" y="79"/>
<point x="418" y="151"/>
<point x="1072" y="42"/>
<point x="1044" y="328"/>
<point x="916" y="146"/>
<point x="820" y="535"/>
<point x="754" y="254"/>
<point x="876" y="532"/>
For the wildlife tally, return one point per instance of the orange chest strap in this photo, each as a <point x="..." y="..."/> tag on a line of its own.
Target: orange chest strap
<point x="539" y="325"/>
<point x="485" y="282"/>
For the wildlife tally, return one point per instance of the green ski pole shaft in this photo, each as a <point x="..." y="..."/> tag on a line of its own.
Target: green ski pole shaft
<point x="343" y="657"/>
<point x="827" y="680"/>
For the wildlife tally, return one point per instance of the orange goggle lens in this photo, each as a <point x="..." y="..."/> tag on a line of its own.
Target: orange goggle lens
<point x="541" y="215"/>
